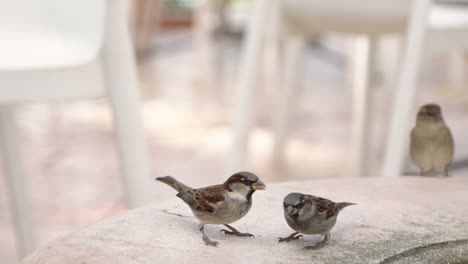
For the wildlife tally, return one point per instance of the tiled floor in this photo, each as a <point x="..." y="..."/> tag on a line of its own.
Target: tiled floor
<point x="70" y="152"/>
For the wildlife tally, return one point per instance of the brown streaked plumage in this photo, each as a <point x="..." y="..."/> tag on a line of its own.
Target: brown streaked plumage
<point x="308" y="214"/>
<point x="431" y="145"/>
<point x="205" y="198"/>
<point x="219" y="204"/>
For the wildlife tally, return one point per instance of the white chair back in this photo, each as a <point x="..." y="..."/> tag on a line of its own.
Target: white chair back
<point x="38" y="34"/>
<point x="366" y="16"/>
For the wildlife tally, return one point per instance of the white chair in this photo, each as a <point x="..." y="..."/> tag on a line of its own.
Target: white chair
<point x="66" y="50"/>
<point x="446" y="27"/>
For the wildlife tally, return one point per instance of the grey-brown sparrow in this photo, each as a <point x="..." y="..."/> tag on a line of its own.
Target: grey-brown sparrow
<point x="311" y="215"/>
<point x="219" y="204"/>
<point x="432" y="145"/>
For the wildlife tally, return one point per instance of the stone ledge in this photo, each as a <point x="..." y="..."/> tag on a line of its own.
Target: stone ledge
<point x="392" y="216"/>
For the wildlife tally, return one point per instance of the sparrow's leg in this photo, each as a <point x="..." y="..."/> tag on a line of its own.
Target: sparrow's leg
<point x="207" y="240"/>
<point x="290" y="237"/>
<point x="320" y="244"/>
<point x="235" y="232"/>
<point x="421" y="172"/>
<point x="446" y="171"/>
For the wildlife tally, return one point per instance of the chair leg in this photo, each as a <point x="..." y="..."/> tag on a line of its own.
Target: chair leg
<point x="120" y="75"/>
<point x="362" y="100"/>
<point x="16" y="185"/>
<point x="457" y="71"/>
<point x="294" y="54"/>
<point x="207" y="32"/>
<point x="388" y="51"/>
<point x="244" y="105"/>
<point x="398" y="132"/>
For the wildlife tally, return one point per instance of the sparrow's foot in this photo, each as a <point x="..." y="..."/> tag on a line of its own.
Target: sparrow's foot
<point x="207" y="240"/>
<point x="235" y="232"/>
<point x="210" y="242"/>
<point x="293" y="236"/>
<point x="320" y="244"/>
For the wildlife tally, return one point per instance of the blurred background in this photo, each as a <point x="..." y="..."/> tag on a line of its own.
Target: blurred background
<point x="188" y="55"/>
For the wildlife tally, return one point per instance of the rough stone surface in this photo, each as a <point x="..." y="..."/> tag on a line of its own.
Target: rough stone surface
<point x="393" y="217"/>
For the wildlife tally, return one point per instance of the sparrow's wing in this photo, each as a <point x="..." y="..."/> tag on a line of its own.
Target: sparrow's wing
<point x="206" y="198"/>
<point x="325" y="207"/>
<point x="445" y="149"/>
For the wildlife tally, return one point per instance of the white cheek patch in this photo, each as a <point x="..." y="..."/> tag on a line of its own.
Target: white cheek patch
<point x="237" y="196"/>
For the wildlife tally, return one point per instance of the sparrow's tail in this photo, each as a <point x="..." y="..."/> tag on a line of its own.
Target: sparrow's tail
<point x="177" y="185"/>
<point x="344" y="204"/>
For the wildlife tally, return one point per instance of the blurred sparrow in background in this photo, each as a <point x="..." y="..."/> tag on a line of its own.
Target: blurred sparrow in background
<point x="308" y="214"/>
<point x="219" y="204"/>
<point x="432" y="145"/>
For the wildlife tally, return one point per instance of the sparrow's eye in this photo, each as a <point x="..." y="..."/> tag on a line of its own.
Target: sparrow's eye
<point x="299" y="205"/>
<point x="246" y="181"/>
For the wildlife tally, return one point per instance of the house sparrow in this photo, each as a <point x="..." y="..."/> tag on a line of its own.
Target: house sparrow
<point x="308" y="214"/>
<point x="219" y="204"/>
<point x="431" y="146"/>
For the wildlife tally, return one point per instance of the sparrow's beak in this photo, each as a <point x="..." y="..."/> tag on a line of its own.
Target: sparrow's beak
<point x="259" y="185"/>
<point x="291" y="211"/>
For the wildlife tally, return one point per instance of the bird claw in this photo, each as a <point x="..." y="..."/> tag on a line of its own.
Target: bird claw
<point x="227" y="232"/>
<point x="209" y="242"/>
<point x="289" y="238"/>
<point x="212" y="243"/>
<point x="320" y="244"/>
